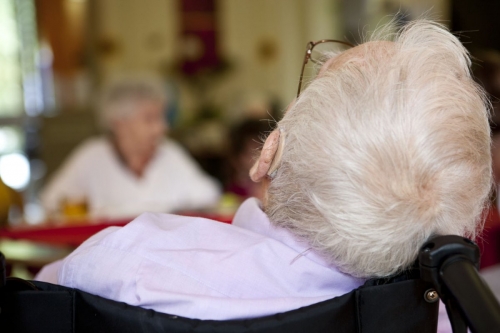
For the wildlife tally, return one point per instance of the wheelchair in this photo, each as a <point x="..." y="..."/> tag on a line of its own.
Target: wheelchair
<point x="407" y="302"/>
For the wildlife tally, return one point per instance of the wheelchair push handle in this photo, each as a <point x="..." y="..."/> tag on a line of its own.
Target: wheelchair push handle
<point x="450" y="263"/>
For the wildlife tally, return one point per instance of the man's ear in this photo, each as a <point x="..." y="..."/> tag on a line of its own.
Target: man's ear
<point x="270" y="156"/>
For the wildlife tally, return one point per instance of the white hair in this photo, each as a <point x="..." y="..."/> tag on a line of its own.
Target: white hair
<point x="383" y="152"/>
<point x="121" y="94"/>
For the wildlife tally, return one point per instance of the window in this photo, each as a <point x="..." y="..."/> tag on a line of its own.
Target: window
<point x="20" y="89"/>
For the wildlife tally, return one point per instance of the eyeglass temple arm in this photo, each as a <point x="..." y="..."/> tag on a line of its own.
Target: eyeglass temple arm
<point x="310" y="46"/>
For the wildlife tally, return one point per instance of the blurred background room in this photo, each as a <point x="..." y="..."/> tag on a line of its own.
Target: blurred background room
<point x="228" y="69"/>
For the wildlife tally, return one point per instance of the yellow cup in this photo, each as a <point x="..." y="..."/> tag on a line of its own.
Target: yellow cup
<point x="74" y="210"/>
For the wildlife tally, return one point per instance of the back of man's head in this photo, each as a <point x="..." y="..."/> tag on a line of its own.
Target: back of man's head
<point x="387" y="147"/>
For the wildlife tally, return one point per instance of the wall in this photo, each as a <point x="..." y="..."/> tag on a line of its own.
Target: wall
<point x="263" y="40"/>
<point x="136" y="35"/>
<point x="267" y="39"/>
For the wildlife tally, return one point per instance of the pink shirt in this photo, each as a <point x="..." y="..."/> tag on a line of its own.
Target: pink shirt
<point x="198" y="268"/>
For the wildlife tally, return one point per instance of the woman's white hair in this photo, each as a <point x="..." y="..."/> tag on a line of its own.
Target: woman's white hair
<point x="121" y="94"/>
<point x="383" y="152"/>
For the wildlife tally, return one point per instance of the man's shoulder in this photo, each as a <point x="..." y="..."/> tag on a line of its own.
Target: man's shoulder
<point x="164" y="239"/>
<point x="158" y="257"/>
<point x="155" y="236"/>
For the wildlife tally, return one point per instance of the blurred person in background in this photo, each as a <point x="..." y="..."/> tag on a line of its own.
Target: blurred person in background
<point x="487" y="72"/>
<point x="490" y="238"/>
<point x="133" y="168"/>
<point x="246" y="140"/>
<point x="387" y="146"/>
<point x="495" y="156"/>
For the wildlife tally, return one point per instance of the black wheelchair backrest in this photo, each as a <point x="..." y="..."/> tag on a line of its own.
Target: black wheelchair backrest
<point x="385" y="305"/>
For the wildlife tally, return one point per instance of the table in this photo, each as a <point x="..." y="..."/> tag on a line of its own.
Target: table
<point x="32" y="247"/>
<point x="66" y="235"/>
<point x="27" y="249"/>
<point x="24" y="259"/>
<point x="77" y="232"/>
<point x="31" y="254"/>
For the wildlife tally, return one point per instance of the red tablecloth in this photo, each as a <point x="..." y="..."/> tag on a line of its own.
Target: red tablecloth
<point x="75" y="234"/>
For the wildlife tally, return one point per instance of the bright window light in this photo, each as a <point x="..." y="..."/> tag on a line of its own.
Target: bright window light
<point x="15" y="170"/>
<point x="10" y="140"/>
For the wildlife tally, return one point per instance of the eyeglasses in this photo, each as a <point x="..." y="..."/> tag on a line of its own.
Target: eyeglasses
<point x="323" y="50"/>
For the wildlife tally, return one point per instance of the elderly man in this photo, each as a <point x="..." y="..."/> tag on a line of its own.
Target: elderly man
<point x="133" y="169"/>
<point x="388" y="145"/>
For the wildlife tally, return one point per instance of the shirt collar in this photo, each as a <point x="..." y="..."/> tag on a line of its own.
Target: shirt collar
<point x="250" y="216"/>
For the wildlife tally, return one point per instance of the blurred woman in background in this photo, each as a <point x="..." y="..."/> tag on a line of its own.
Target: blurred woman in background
<point x="133" y="168"/>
